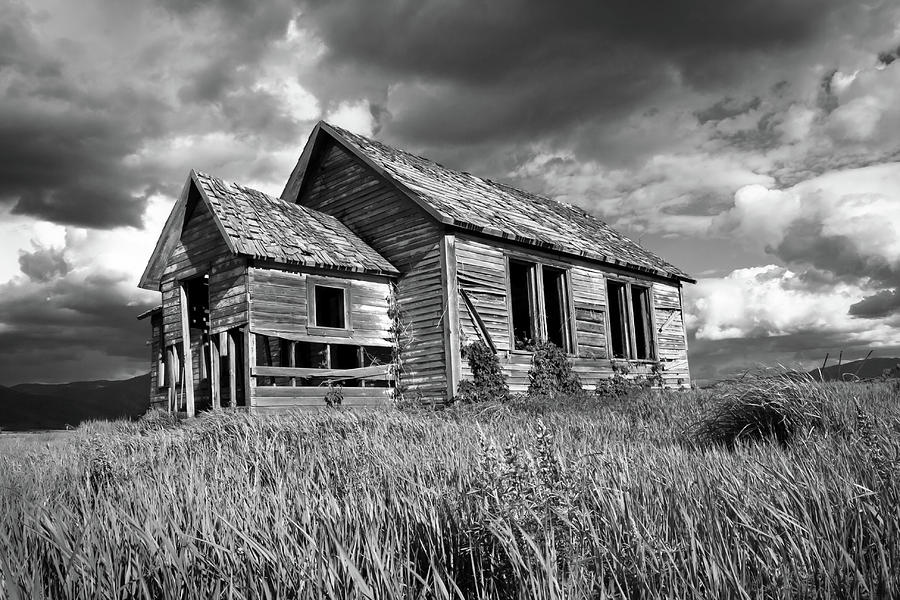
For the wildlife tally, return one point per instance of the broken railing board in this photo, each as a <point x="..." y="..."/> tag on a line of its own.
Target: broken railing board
<point x="286" y="391"/>
<point x="324" y="339"/>
<point x="379" y="371"/>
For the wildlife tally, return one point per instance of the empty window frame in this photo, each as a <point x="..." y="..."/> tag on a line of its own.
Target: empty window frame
<point x="329" y="308"/>
<point x="539" y="305"/>
<point x="556" y="307"/>
<point x="523" y="303"/>
<point x="630" y="321"/>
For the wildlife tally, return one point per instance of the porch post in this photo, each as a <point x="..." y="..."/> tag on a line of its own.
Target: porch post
<point x="232" y="370"/>
<point x="188" y="357"/>
<point x="215" y="365"/>
<point x="249" y="363"/>
<point x="172" y="377"/>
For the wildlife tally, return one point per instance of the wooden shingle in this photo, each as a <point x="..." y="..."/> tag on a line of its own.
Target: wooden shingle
<point x="464" y="200"/>
<point x="261" y="226"/>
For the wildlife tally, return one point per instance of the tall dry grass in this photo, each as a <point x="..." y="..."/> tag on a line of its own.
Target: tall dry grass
<point x="525" y="499"/>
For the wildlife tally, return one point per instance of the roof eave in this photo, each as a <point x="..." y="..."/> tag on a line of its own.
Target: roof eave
<point x="548" y="246"/>
<point x="393" y="272"/>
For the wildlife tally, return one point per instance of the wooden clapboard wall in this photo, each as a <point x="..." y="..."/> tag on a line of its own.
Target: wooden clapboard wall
<point x="228" y="306"/>
<point x="278" y="305"/>
<point x="481" y="272"/>
<point x="339" y="184"/>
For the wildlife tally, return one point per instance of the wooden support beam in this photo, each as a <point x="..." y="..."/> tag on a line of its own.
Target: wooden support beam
<point x="215" y="374"/>
<point x="292" y="358"/>
<point x="476" y="317"/>
<point x="232" y="369"/>
<point x="450" y="293"/>
<point x="249" y="364"/>
<point x="188" y="358"/>
<point x="171" y="360"/>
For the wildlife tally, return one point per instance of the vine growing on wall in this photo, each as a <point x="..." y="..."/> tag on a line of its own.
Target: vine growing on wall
<point x="488" y="381"/>
<point x="401" y="338"/>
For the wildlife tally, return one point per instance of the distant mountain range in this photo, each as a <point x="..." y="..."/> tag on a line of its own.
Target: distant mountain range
<point x="58" y="405"/>
<point x="864" y="369"/>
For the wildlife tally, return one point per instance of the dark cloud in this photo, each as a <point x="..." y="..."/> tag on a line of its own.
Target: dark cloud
<point x="727" y="108"/>
<point x="876" y="306"/>
<point x="886" y="58"/>
<point x="520" y="70"/>
<point x="61" y="146"/>
<point x="43" y="264"/>
<point x="806" y="242"/>
<point x="56" y="323"/>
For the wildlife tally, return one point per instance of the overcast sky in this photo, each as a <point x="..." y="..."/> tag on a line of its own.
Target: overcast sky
<point x="755" y="144"/>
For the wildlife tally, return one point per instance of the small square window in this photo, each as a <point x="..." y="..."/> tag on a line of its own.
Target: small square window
<point x="330" y="307"/>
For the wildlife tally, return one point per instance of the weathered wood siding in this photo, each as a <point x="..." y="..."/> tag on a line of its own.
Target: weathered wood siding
<point x="340" y="185"/>
<point x="671" y="337"/>
<point x="227" y="293"/>
<point x="202" y="250"/>
<point x="157" y="394"/>
<point x="278" y="305"/>
<point x="282" y="398"/>
<point x="481" y="268"/>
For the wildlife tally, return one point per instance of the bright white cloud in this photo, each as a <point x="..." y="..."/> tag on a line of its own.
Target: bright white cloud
<point x="860" y="206"/>
<point x="355" y="116"/>
<point x="296" y="101"/>
<point x="669" y="193"/>
<point x="774" y="301"/>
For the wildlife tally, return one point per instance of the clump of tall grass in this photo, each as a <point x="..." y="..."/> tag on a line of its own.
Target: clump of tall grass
<point x="767" y="406"/>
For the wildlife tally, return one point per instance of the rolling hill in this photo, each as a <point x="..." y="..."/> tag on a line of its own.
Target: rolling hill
<point x="864" y="369"/>
<point x="56" y="406"/>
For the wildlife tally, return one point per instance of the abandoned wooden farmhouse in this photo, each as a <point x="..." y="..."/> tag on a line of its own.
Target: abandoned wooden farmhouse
<point x="375" y="269"/>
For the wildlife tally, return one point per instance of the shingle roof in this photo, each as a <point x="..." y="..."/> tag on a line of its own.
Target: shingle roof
<point x="261" y="226"/>
<point x="470" y="202"/>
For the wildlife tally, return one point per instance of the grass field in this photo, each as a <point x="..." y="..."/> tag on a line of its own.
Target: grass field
<point x="656" y="495"/>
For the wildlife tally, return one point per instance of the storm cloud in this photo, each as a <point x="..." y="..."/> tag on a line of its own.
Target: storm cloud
<point x="752" y="143"/>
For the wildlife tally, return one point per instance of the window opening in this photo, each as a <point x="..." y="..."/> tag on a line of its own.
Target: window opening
<point x="643" y="337"/>
<point x="556" y="307"/>
<point x="330" y="307"/>
<point x="630" y="321"/>
<point x="523" y="302"/>
<point x="618" y="324"/>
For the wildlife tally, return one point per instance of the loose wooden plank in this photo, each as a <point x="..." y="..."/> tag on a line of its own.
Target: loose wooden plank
<point x="382" y="371"/>
<point x="269" y="395"/>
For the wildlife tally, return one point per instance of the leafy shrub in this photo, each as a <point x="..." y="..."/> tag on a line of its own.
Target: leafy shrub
<point x="334" y="396"/>
<point x="551" y="372"/>
<point x="488" y="382"/>
<point x="620" y="386"/>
